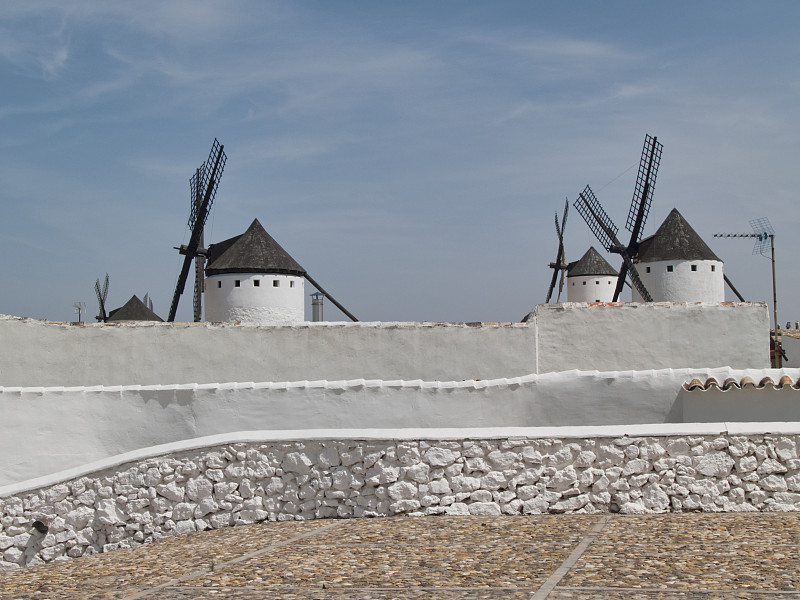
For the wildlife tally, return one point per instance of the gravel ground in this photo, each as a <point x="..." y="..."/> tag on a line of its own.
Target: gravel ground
<point x="576" y="557"/>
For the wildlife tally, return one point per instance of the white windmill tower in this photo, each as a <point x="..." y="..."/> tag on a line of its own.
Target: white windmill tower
<point x="676" y="265"/>
<point x="251" y="279"/>
<point x="591" y="279"/>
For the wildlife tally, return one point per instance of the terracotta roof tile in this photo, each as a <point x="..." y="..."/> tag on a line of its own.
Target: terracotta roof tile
<point x="731" y="383"/>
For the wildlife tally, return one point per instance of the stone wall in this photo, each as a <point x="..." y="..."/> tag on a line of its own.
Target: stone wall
<point x="209" y="484"/>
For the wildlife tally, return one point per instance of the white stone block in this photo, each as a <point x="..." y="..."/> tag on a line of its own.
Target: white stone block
<point x="773" y="483"/>
<point x="535" y="506"/>
<point x="440" y="457"/>
<point x="198" y="488"/>
<point x="769" y="466"/>
<point x="402" y="490"/>
<point x="108" y="513"/>
<point x="171" y="491"/>
<point x="457" y="509"/>
<point x="404" y="506"/>
<point x="715" y="464"/>
<point x="463" y="483"/>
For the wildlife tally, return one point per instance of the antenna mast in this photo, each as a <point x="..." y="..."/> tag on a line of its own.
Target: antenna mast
<point x="764" y="234"/>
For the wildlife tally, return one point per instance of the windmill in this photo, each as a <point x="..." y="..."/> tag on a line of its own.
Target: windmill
<point x="102" y="295"/>
<point x="603" y="227"/>
<point x="560" y="265"/>
<point x="147" y="301"/>
<point x="203" y="188"/>
<point x="764" y="235"/>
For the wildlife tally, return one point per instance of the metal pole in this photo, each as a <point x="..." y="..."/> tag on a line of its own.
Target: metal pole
<point x="331" y="298"/>
<point x="778" y="353"/>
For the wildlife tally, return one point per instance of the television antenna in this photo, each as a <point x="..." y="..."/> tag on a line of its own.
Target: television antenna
<point x="560" y="265"/>
<point x="603" y="227"/>
<point x="79" y="306"/>
<point x="764" y="235"/>
<point x="102" y="295"/>
<point x="203" y="188"/>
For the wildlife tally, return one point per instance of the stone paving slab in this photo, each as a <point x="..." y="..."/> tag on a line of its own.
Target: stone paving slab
<point x="745" y="556"/>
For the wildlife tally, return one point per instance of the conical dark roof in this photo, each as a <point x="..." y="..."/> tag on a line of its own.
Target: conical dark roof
<point x="674" y="240"/>
<point x="590" y="263"/>
<point x="133" y="310"/>
<point x="252" y="252"/>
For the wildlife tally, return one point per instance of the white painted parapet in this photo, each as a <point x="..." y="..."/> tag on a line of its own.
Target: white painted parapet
<point x="44" y="430"/>
<point x="257" y="476"/>
<point x="62" y="354"/>
<point x="616" y="337"/>
<point x="559" y="337"/>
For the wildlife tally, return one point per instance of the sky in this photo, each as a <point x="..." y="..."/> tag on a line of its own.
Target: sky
<point x="410" y="155"/>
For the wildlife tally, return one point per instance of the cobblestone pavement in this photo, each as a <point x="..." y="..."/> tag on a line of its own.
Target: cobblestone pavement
<point x="575" y="557"/>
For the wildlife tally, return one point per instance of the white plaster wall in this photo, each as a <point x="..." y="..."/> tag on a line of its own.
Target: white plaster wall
<point x="44" y="430"/>
<point x="610" y="337"/>
<point x="591" y="288"/>
<point x="60" y="354"/>
<point x="740" y="405"/>
<point x="791" y="346"/>
<point x="559" y="337"/>
<point x="682" y="284"/>
<point x="251" y="305"/>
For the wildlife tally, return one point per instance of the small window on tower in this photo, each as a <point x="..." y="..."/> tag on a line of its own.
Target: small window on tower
<point x="584" y="283"/>
<point x="647" y="269"/>
<point x="237" y="283"/>
<point x="291" y="284"/>
<point x="219" y="284"/>
<point x="669" y="268"/>
<point x="694" y="267"/>
<point x="713" y="268"/>
<point x="256" y="283"/>
<point x="597" y="283"/>
<point x="275" y="283"/>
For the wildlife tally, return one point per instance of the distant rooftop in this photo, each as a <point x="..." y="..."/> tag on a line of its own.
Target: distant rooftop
<point x="133" y="310"/>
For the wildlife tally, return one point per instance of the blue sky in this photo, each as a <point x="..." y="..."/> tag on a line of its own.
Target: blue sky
<point x="409" y="155"/>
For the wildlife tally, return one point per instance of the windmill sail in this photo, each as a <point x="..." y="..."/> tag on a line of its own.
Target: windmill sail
<point x="559" y="266"/>
<point x="102" y="295"/>
<point x="604" y="229"/>
<point x="205" y="182"/>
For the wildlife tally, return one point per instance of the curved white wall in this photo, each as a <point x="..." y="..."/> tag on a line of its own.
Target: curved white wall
<point x="591" y="288"/>
<point x="44" y="430"/>
<point x="682" y="284"/>
<point x="257" y="299"/>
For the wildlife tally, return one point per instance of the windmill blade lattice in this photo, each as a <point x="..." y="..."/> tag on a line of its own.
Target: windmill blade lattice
<point x="645" y="184"/>
<point x="600" y="224"/>
<point x="203" y="188"/>
<point x="102" y="295"/>
<point x="560" y="265"/>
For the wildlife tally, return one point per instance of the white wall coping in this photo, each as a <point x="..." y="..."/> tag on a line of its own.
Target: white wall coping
<point x="437" y="434"/>
<point x="719" y="373"/>
<point x="303" y="324"/>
